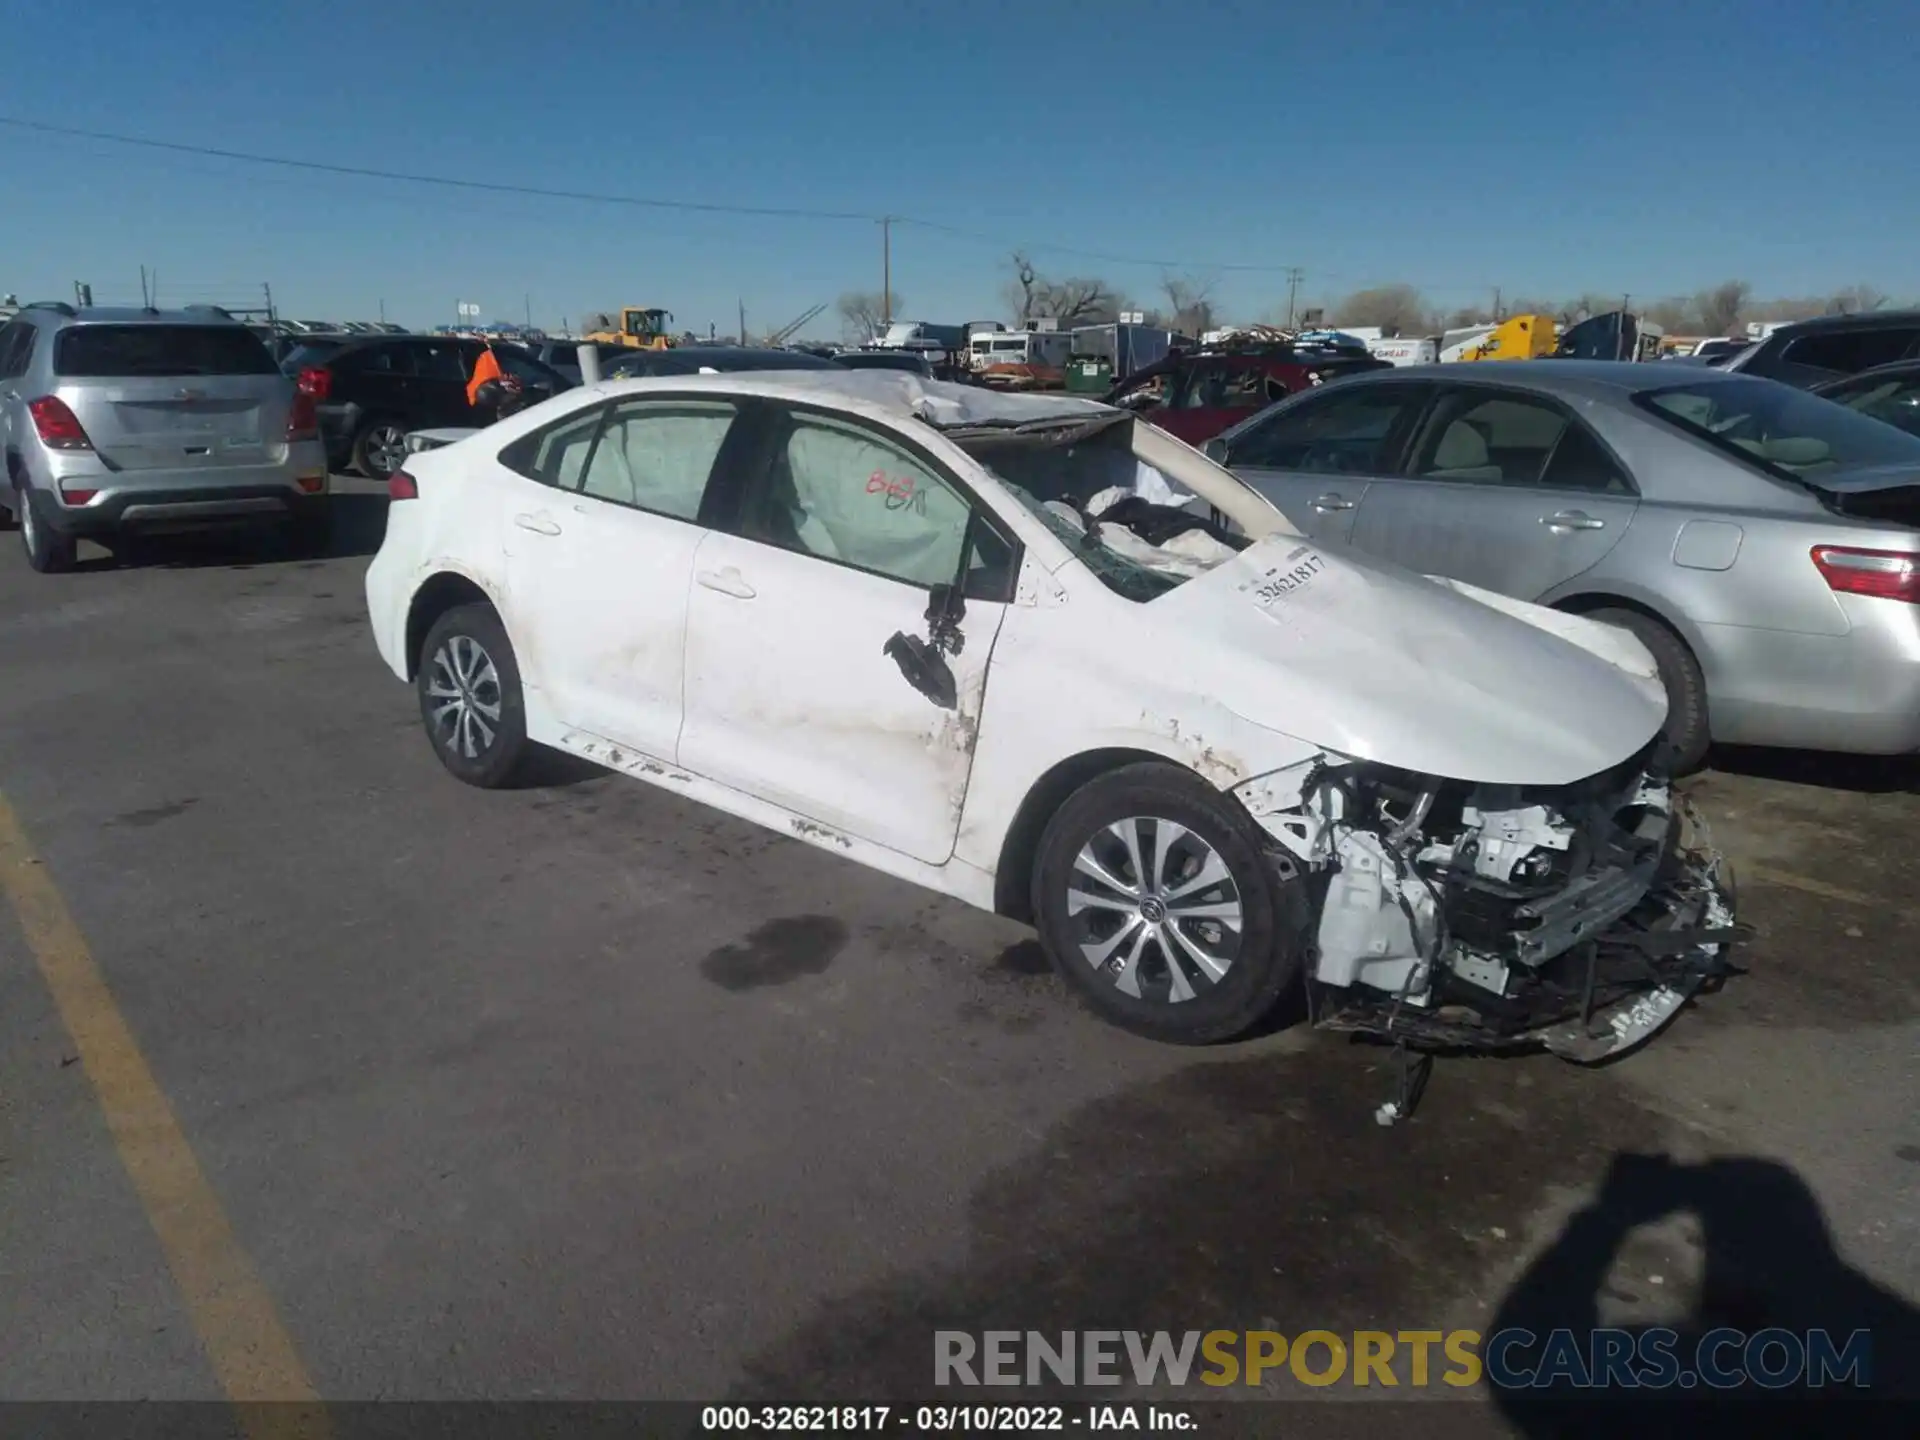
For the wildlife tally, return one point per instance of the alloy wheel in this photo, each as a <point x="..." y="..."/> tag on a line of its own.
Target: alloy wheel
<point x="386" y="450"/>
<point x="1155" y="908"/>
<point x="463" y="691"/>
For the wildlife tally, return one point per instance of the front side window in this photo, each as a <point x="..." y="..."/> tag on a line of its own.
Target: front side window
<point x="1352" y="431"/>
<point x="656" y="455"/>
<point x="845" y="493"/>
<point x="1780" y="429"/>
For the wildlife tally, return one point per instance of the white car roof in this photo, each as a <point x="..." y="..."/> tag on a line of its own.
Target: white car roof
<point x="899" y="394"/>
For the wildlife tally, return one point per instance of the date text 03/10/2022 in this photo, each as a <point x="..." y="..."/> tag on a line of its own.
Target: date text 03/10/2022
<point x="940" y="1419"/>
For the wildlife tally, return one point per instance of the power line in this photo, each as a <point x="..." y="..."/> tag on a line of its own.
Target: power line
<point x="367" y="172"/>
<point x="495" y="187"/>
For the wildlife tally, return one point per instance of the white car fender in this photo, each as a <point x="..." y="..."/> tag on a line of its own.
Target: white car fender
<point x="1620" y="648"/>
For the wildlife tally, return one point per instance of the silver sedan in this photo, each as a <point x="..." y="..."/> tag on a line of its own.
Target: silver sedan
<point x="1764" y="543"/>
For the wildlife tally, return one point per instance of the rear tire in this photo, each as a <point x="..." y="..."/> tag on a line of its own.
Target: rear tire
<point x="1194" y="941"/>
<point x="48" y="551"/>
<point x="379" y="448"/>
<point x="1687" y="730"/>
<point x="471" y="702"/>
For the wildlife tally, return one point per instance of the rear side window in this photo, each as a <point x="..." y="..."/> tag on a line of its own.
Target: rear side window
<point x="106" y="352"/>
<point x="16" y="350"/>
<point x="556" y="455"/>
<point x="370" y="360"/>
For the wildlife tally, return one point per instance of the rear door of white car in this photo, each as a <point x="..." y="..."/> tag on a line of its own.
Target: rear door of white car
<point x="600" y="547"/>
<point x="832" y="543"/>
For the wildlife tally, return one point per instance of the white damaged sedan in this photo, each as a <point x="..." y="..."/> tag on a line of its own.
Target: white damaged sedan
<point x="1035" y="655"/>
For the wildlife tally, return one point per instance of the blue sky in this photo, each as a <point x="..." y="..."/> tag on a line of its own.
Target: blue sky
<point x="1542" y="147"/>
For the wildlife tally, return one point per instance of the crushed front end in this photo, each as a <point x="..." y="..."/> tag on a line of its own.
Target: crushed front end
<point x="1457" y="916"/>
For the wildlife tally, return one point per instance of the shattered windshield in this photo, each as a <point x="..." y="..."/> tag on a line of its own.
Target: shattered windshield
<point x="1119" y="516"/>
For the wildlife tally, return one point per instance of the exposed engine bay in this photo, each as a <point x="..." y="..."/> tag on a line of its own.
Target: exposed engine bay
<point x="1454" y="916"/>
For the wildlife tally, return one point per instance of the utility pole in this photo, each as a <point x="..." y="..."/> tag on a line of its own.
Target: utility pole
<point x="886" y="270"/>
<point x="383" y="312"/>
<point x="527" y="300"/>
<point x="743" y="322"/>
<point x="144" y="302"/>
<point x="267" y="290"/>
<point x="1496" y="305"/>
<point x="1293" y="292"/>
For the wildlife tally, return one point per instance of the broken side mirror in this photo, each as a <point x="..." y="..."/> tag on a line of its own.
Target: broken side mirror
<point x="923" y="663"/>
<point x="1215" y="450"/>
<point x="925" y="668"/>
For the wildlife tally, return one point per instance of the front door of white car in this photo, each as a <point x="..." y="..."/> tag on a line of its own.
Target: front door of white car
<point x="1503" y="490"/>
<point x="1315" y="458"/>
<point x="842" y="532"/>
<point x="600" y="540"/>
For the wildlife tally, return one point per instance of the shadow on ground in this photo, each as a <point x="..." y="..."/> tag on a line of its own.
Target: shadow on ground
<point x="360" y="524"/>
<point x="1254" y="1193"/>
<point x="1767" y="1264"/>
<point x="1861" y="774"/>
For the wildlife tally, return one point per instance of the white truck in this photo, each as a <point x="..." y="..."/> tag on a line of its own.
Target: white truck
<point x="1052" y="348"/>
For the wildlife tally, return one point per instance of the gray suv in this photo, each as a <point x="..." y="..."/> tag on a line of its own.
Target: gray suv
<point x="119" y="422"/>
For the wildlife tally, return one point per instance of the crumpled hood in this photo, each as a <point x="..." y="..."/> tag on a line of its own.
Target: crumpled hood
<point x="1362" y="657"/>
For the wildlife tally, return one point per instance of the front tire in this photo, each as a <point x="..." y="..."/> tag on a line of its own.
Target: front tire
<point x="471" y="702"/>
<point x="1687" y="732"/>
<point x="1157" y="899"/>
<point x="48" y="551"/>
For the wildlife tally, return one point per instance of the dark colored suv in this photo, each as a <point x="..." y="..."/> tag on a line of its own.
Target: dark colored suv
<point x="1195" y="397"/>
<point x="1813" y="352"/>
<point x="370" y="393"/>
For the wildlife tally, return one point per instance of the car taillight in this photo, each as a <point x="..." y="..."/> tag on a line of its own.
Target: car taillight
<point x="401" y="486"/>
<point x="303" y="420"/>
<point x="59" y="427"/>
<point x="315" y="381"/>
<point x="1887" y="574"/>
<point x="76" y="497"/>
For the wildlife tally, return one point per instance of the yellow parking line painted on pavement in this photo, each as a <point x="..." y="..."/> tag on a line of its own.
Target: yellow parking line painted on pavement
<point x="1808" y="885"/>
<point x="231" y="1310"/>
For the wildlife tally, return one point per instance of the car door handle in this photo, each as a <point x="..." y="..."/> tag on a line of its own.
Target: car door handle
<point x="541" y="524"/>
<point x="1331" y="502"/>
<point x="728" y="582"/>
<point x="1563" y="520"/>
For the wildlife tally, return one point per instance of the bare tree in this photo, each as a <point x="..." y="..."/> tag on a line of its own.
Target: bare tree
<point x="1396" y="309"/>
<point x="1673" y="315"/>
<point x="1856" y="300"/>
<point x="1189" y="305"/>
<point x="1072" y="300"/>
<point x="1720" y="308"/>
<point x="860" y="312"/>
<point x="1467" y="315"/>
